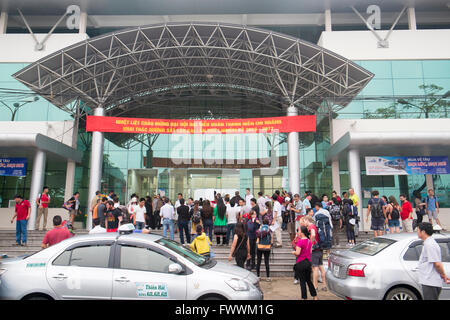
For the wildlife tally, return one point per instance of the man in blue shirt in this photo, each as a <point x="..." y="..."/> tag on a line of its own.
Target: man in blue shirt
<point x="432" y="207"/>
<point x="307" y="201"/>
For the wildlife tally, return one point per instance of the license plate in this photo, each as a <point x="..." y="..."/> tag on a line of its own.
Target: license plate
<point x="336" y="271"/>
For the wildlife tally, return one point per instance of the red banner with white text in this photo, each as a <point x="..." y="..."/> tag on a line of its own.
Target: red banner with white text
<point x="223" y="126"/>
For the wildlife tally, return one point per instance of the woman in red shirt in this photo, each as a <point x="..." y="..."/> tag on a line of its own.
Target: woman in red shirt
<point x="303" y="267"/>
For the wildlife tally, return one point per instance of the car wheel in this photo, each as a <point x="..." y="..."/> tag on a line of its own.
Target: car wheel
<point x="213" y="297"/>
<point x="37" y="298"/>
<point x="401" y="294"/>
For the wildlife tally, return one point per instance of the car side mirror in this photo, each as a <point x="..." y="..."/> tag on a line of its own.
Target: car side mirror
<point x="175" y="268"/>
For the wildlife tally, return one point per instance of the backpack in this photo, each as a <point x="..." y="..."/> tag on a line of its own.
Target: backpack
<point x="335" y="212"/>
<point x="196" y="217"/>
<point x="395" y="215"/>
<point x="265" y="238"/>
<point x="324" y="232"/>
<point x="347" y="210"/>
<point x="68" y="225"/>
<point x="40" y="197"/>
<point x="375" y="209"/>
<point x="68" y="206"/>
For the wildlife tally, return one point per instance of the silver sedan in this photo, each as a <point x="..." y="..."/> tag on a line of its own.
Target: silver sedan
<point x="383" y="268"/>
<point x="131" y="266"/>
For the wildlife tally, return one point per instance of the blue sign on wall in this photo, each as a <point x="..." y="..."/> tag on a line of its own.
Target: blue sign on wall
<point x="407" y="165"/>
<point x="13" y="167"/>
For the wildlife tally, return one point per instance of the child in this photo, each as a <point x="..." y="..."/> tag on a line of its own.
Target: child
<point x="201" y="243"/>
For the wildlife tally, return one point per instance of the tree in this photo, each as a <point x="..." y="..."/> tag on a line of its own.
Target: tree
<point x="431" y="102"/>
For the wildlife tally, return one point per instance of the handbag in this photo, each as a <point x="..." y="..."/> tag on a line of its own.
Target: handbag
<point x="236" y="250"/>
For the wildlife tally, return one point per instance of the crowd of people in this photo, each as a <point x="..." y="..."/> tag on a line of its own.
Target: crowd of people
<point x="250" y="225"/>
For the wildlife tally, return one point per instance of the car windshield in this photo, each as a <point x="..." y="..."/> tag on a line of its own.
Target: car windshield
<point x="373" y="246"/>
<point x="182" y="251"/>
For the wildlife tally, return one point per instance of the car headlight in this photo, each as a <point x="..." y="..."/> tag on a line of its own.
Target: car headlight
<point x="238" y="284"/>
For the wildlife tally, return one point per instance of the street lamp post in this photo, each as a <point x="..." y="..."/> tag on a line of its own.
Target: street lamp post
<point x="17" y="106"/>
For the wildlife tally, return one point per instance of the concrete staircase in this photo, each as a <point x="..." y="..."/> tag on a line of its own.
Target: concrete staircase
<point x="281" y="261"/>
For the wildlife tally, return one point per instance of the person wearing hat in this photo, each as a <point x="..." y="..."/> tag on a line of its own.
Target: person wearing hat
<point x="132" y="207"/>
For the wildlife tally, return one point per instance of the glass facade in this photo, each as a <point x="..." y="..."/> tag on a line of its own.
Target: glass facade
<point x="394" y="80"/>
<point x="127" y="169"/>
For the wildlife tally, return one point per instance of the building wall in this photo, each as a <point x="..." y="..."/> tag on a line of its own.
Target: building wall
<point x="22" y="46"/>
<point x="393" y="185"/>
<point x="61" y="131"/>
<point x="55" y="173"/>
<point x="342" y="126"/>
<point x="403" y="44"/>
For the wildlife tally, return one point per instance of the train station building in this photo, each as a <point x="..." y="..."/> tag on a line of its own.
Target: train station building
<point x="376" y="79"/>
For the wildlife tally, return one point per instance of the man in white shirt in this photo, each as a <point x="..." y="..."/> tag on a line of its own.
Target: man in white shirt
<point x="139" y="217"/>
<point x="177" y="203"/>
<point x="232" y="214"/>
<point x="97" y="228"/>
<point x="431" y="271"/>
<point x="261" y="202"/>
<point x="248" y="197"/>
<point x="299" y="210"/>
<point x="243" y="209"/>
<point x="166" y="214"/>
<point x="278" y="220"/>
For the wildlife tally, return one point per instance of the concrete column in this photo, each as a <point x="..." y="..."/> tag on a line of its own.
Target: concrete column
<point x="3" y="22"/>
<point x="328" y="20"/>
<point x="70" y="179"/>
<point x="429" y="180"/>
<point x="71" y="165"/>
<point x="293" y="156"/>
<point x="335" y="176"/>
<point x="95" y="171"/>
<point x="354" y="169"/>
<point x="83" y="22"/>
<point x="37" y="183"/>
<point x="411" y="18"/>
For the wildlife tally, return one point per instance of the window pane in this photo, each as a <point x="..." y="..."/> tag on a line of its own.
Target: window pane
<point x="373" y="246"/>
<point x="63" y="259"/>
<point x="411" y="255"/>
<point x="92" y="256"/>
<point x="135" y="258"/>
<point x="445" y="252"/>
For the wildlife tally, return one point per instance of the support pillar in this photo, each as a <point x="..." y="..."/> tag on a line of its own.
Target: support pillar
<point x="95" y="171"/>
<point x="70" y="179"/>
<point x="354" y="169"/>
<point x="335" y="176"/>
<point x="71" y="165"/>
<point x="83" y="22"/>
<point x="3" y="22"/>
<point x="328" y="20"/>
<point x="411" y="18"/>
<point x="37" y="183"/>
<point x="429" y="180"/>
<point x="293" y="156"/>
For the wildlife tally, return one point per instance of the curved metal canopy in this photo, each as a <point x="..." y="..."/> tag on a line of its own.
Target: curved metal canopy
<point x="157" y="68"/>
